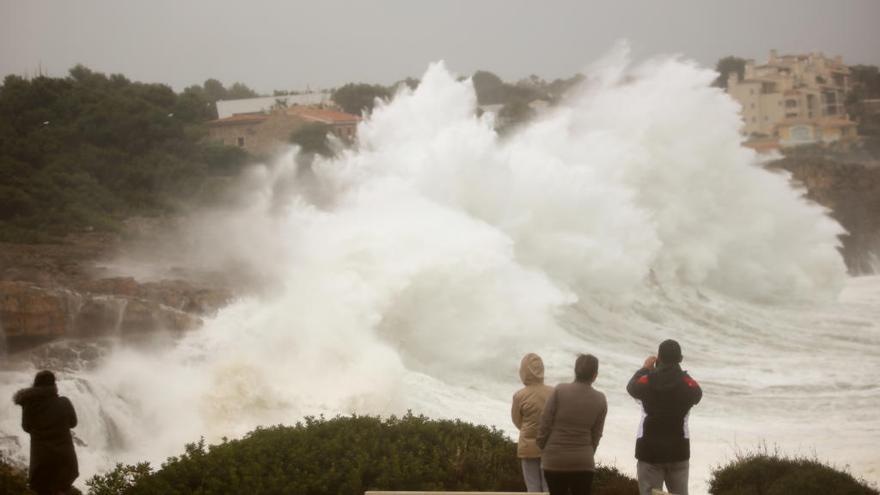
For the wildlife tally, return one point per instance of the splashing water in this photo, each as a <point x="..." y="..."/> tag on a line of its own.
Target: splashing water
<point x="414" y="271"/>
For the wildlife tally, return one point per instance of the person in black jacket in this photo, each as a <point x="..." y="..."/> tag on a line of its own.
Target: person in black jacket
<point x="48" y="419"/>
<point x="666" y="393"/>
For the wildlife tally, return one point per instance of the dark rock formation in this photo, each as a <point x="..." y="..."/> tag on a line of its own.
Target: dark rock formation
<point x="54" y="291"/>
<point x="30" y="311"/>
<point x="852" y="192"/>
<point x="32" y="315"/>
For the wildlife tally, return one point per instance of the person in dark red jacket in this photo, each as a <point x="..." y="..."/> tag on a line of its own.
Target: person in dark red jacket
<point x="48" y="419"/>
<point x="666" y="393"/>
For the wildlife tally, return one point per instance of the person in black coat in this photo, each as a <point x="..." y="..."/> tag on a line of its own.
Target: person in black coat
<point x="48" y="419"/>
<point x="666" y="393"/>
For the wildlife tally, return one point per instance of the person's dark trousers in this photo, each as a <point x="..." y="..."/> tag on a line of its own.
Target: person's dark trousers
<point x="569" y="482"/>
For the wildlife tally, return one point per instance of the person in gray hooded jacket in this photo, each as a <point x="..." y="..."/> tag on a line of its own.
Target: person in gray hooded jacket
<point x="571" y="427"/>
<point x="528" y="404"/>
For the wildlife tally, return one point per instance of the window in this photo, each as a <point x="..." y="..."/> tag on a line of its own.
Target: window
<point x="240" y="142"/>
<point x="753" y="105"/>
<point x="791" y="103"/>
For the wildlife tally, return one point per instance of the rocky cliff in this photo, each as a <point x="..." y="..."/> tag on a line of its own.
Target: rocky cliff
<point x="852" y="192"/>
<point x="55" y="291"/>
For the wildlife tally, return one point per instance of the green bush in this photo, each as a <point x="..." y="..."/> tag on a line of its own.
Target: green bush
<point x="344" y="455"/>
<point x="13" y="479"/>
<point x="762" y="474"/>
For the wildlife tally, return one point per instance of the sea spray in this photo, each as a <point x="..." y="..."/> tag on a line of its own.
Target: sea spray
<point x="413" y="270"/>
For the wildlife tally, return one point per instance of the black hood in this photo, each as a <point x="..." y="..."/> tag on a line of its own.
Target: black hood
<point x="35" y="395"/>
<point x="666" y="377"/>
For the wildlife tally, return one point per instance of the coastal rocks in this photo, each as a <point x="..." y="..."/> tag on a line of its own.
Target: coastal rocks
<point x="177" y="294"/>
<point x="32" y="315"/>
<point x="148" y="316"/>
<point x="30" y="311"/>
<point x="852" y="192"/>
<point x="63" y="292"/>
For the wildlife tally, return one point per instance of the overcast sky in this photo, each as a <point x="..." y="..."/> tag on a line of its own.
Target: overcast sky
<point x="323" y="43"/>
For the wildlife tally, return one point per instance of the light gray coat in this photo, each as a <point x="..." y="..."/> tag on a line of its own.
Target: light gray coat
<point x="571" y="427"/>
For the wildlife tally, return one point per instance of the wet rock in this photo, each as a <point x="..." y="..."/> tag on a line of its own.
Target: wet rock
<point x="148" y="316"/>
<point x="100" y="315"/>
<point x="177" y="294"/>
<point x="69" y="355"/>
<point x="118" y="286"/>
<point x="30" y="311"/>
<point x="852" y="192"/>
<point x="32" y="315"/>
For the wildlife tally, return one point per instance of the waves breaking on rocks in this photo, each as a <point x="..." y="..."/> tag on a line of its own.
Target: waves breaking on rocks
<point x="414" y="270"/>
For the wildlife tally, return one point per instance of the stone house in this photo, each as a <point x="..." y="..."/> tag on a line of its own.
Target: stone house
<point x="266" y="133"/>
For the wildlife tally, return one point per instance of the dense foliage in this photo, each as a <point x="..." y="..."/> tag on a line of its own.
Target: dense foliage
<point x="761" y="474"/>
<point x="345" y="455"/>
<point x="727" y="66"/>
<point x="13" y="479"/>
<point x="86" y="150"/>
<point x="359" y="98"/>
<point x="492" y="90"/>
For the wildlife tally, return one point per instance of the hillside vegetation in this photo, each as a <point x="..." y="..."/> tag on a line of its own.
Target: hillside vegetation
<point x="86" y="150"/>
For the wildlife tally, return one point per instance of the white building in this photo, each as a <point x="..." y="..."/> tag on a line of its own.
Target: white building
<point x="228" y="108"/>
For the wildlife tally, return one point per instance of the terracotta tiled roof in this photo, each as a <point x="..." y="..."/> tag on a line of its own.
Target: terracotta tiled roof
<point x="324" y="116"/>
<point x="240" y="119"/>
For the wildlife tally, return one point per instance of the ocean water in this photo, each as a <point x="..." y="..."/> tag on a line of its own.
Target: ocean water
<point x="413" y="271"/>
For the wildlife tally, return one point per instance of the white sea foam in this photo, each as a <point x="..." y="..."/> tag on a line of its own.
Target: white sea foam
<point x="413" y="271"/>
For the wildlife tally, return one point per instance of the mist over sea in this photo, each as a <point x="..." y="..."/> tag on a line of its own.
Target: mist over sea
<point x="413" y="271"/>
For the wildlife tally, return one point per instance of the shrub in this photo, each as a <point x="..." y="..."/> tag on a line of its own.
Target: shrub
<point x="762" y="474"/>
<point x="344" y="455"/>
<point x="610" y="481"/>
<point x="13" y="479"/>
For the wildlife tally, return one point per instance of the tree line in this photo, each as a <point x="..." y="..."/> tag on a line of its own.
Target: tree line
<point x="87" y="150"/>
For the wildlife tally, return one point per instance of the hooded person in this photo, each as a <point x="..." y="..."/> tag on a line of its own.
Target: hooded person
<point x="48" y="418"/>
<point x="667" y="394"/>
<point x="528" y="404"/>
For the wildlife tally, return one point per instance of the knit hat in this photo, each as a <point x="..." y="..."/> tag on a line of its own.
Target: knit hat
<point x="669" y="352"/>
<point x="44" y="378"/>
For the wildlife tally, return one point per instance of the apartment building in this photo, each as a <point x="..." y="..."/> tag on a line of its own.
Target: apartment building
<point x="794" y="99"/>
